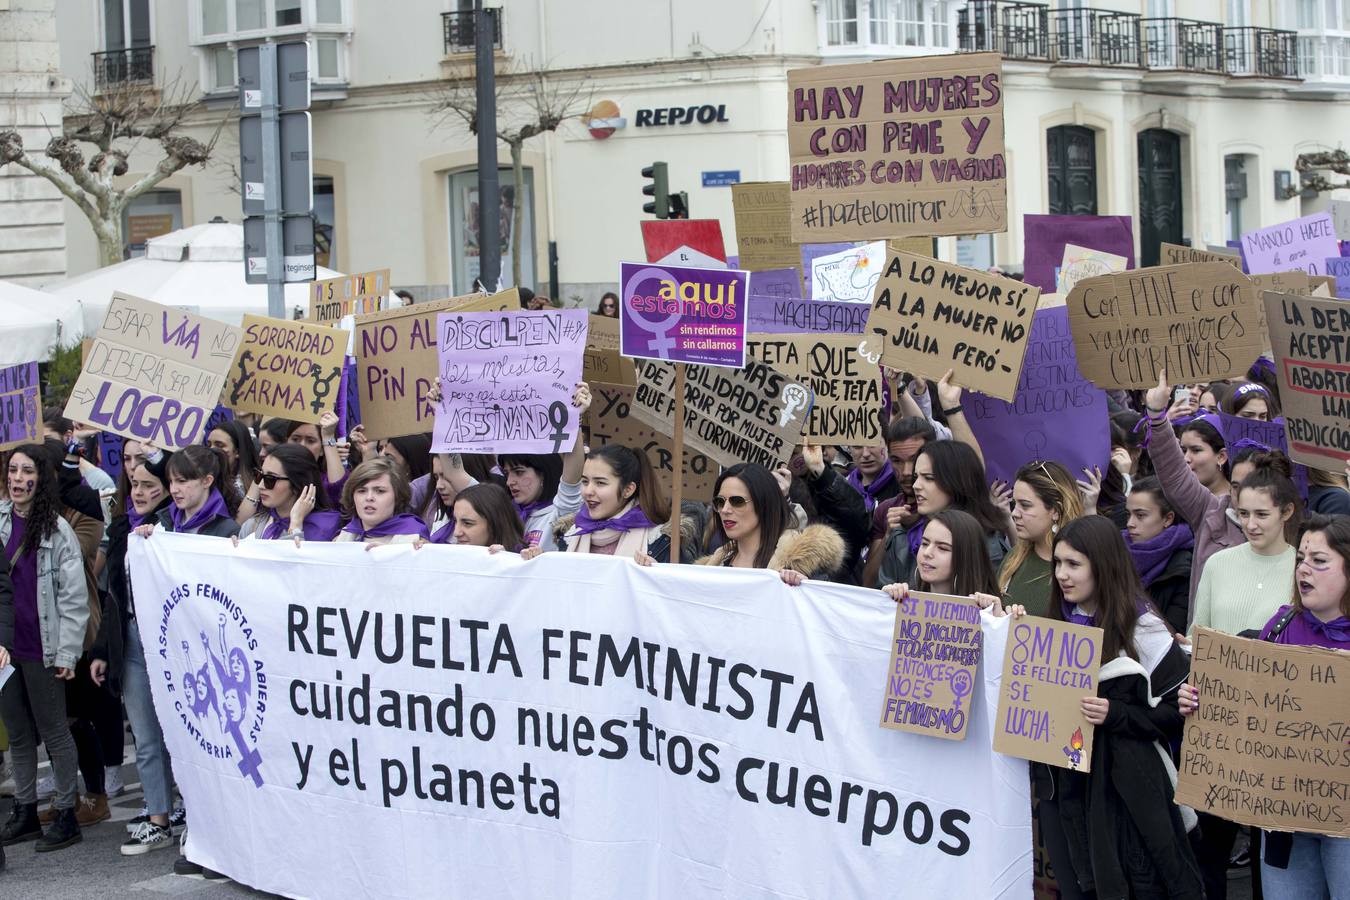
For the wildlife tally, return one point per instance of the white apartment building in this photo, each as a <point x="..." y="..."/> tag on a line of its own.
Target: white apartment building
<point x="1186" y="114"/>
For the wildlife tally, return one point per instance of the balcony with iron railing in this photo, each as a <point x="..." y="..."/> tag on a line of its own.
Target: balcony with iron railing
<point x="133" y="65"/>
<point x="1094" y="37"/>
<point x="459" y="32"/>
<point x="1015" y="29"/>
<point x="1260" y="52"/>
<point x="1183" y="45"/>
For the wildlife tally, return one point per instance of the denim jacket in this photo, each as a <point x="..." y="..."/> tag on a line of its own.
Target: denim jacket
<point x="63" y="594"/>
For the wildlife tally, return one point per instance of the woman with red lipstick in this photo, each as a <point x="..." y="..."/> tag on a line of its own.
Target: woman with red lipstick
<point x="622" y="510"/>
<point x="43" y="617"/>
<point x="1295" y="866"/>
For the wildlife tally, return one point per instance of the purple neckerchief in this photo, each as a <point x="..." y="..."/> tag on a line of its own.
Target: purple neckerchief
<point x="915" y="535"/>
<point x="1306" y="630"/>
<point x="528" y="509"/>
<point x="1073" y="616"/>
<point x="213" y="508"/>
<point x="869" y="492"/>
<point x="629" y="520"/>
<point x="135" y="519"/>
<point x="403" y="523"/>
<point x="319" y="525"/>
<point x="443" y="534"/>
<point x="1152" y="556"/>
<point x="1337" y="630"/>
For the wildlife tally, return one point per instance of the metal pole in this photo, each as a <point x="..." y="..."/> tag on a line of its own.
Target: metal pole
<point x="271" y="154"/>
<point x="489" y="191"/>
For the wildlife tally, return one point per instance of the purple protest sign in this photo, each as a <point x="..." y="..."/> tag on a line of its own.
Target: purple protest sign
<point x="683" y="314"/>
<point x="110" y="453"/>
<point x="19" y="406"/>
<point x="1045" y="237"/>
<point x="1301" y="244"/>
<point x="1056" y="413"/>
<point x="507" y="380"/>
<point x="776" y="315"/>
<point x="776" y="283"/>
<point x="812" y="252"/>
<point x="1338" y="267"/>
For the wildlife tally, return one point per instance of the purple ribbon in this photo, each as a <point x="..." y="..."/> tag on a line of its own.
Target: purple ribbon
<point x="403" y="523"/>
<point x="634" y="518"/>
<point x="319" y="525"/>
<point x="1337" y="630"/>
<point x="213" y="507"/>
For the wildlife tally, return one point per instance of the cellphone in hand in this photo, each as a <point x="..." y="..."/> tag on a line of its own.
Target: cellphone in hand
<point x="1180" y="393"/>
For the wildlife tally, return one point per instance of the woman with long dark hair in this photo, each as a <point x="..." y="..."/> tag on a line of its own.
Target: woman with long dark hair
<point x="235" y="441"/>
<point x="1251" y="400"/>
<point x="44" y="611"/>
<point x="623" y="511"/>
<point x="292" y="498"/>
<point x="204" y="502"/>
<point x="1116" y="831"/>
<point x="1160" y="545"/>
<point x="952" y="559"/>
<point x="485" y="517"/>
<point x="545" y="486"/>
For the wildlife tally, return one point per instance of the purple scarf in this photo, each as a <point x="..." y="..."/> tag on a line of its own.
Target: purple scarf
<point x="869" y="492"/>
<point x="319" y="525"/>
<point x="528" y="509"/>
<point x="135" y="519"/>
<point x="213" y="508"/>
<point x="1152" y="556"/>
<point x="628" y="521"/>
<point x="443" y="534"/>
<point x="1306" y="630"/>
<point x="1073" y="616"/>
<point x="403" y="523"/>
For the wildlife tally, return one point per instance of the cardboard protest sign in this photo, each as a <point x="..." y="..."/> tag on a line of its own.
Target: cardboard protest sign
<point x="847" y="407"/>
<point x="763" y="228"/>
<point x="935" y="657"/>
<point x="507" y="381"/>
<point x="396" y="361"/>
<point x="1302" y="244"/>
<point x="1311" y="339"/>
<point x="684" y="242"/>
<point x="20" y="405"/>
<point x="611" y="421"/>
<point x="850" y="274"/>
<point x="776" y="283"/>
<point x="288" y="369"/>
<point x="602" y="361"/>
<point x="153" y="373"/>
<point x="930" y="316"/>
<point x="1176" y="254"/>
<point x="753" y="414"/>
<point x="1056" y="414"/>
<point x="1048" y="668"/>
<point x="683" y="314"/>
<point x="1199" y="322"/>
<point x="776" y="315"/>
<point x="1083" y="262"/>
<point x="333" y="299"/>
<point x="1046" y="236"/>
<point x="898" y="147"/>
<point x="1266" y="747"/>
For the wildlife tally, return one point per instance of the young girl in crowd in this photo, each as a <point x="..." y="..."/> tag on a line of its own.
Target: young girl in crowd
<point x="1045" y="499"/>
<point x="1298" y="866"/>
<point x="412" y="454"/>
<point x="485" y="517"/>
<point x="321" y="441"/>
<point x="241" y="458"/>
<point x="623" y="512"/>
<point x="1251" y="400"/>
<point x="1212" y="397"/>
<point x="203" y="501"/>
<point x="376" y="497"/>
<point x="952" y="559"/>
<point x="1160" y="546"/>
<point x="44" y="610"/>
<point x="118" y="661"/>
<point x="1115" y="831"/>
<point x="751" y="521"/>
<point x="1206" y="453"/>
<point x="947" y="474"/>
<point x="546" y="487"/>
<point x="452" y="473"/>
<point x="272" y="433"/>
<point x="292" y="499"/>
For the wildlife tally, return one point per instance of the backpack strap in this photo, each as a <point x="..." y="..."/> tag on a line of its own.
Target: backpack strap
<point x="1282" y="623"/>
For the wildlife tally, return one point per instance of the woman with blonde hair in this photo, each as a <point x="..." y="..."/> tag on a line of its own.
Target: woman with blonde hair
<point x="1045" y="499"/>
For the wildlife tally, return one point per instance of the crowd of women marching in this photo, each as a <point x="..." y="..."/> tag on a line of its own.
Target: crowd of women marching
<point x="1176" y="529"/>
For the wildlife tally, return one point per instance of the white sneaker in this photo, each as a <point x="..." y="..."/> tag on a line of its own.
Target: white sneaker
<point x="147" y="837"/>
<point x="113" y="785"/>
<point x="46" y="787"/>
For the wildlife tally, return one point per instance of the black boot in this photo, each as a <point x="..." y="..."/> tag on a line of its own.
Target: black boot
<point x="63" y="832"/>
<point x="22" y="824"/>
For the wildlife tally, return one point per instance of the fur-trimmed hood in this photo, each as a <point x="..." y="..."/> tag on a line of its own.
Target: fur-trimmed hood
<point x="817" y="551"/>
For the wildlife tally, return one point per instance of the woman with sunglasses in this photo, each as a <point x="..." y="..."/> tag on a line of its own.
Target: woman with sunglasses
<point x="376" y="497"/>
<point x="1045" y="499"/>
<point x="294" y="503"/>
<point x="752" y="521"/>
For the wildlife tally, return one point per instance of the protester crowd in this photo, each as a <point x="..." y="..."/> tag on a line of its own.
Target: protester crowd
<point x="1175" y="529"/>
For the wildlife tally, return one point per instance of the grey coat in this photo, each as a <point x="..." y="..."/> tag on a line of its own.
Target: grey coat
<point x="63" y="594"/>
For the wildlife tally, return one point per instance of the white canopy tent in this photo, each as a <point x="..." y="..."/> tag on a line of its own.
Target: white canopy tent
<point x="200" y="269"/>
<point x="34" y="324"/>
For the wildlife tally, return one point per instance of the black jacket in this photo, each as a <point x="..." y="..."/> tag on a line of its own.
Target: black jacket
<point x="841" y="507"/>
<point x="6" y="604"/>
<point x="220" y="526"/>
<point x="1170" y="591"/>
<point x="1125" y="834"/>
<point x="118" y="606"/>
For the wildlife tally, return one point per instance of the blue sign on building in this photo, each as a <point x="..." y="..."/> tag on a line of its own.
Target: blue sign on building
<point x="722" y="179"/>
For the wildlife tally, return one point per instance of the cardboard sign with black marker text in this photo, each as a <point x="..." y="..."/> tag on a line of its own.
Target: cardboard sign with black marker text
<point x="847" y="388"/>
<point x="286" y="368"/>
<point x="1311" y="340"/>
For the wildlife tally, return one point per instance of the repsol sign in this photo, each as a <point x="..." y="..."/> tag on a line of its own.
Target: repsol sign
<point x="706" y="114"/>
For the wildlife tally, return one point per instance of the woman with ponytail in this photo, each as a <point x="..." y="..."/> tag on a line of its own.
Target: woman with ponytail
<point x="623" y="512"/>
<point x="204" y="500"/>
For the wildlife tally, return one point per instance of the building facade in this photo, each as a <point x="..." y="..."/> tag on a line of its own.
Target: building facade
<point x="1192" y="126"/>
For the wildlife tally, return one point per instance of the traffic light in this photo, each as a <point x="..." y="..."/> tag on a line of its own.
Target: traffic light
<point x="679" y="205"/>
<point x="658" y="190"/>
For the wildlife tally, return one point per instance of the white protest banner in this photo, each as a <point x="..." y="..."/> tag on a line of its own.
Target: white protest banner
<point x="507" y="380"/>
<point x="575" y="726"/>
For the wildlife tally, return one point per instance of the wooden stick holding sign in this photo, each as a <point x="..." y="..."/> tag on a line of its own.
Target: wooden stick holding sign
<point x="677" y="483"/>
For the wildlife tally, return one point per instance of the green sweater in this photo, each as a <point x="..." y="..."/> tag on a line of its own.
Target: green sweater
<point x="1030" y="586"/>
<point x="1240" y="590"/>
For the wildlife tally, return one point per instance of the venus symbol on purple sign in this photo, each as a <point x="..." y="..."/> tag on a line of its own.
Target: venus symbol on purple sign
<point x="660" y="342"/>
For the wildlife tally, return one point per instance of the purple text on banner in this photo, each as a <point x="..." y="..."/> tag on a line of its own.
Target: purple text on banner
<point x="776" y="315"/>
<point x="1338" y="267"/>
<point x="1057" y="413"/>
<point x="110" y="454"/>
<point x="16" y="378"/>
<point x="683" y="314"/>
<point x="507" y="380"/>
<point x="776" y="283"/>
<point x="1045" y="237"/>
<point x="1302" y="244"/>
<point x="19" y="416"/>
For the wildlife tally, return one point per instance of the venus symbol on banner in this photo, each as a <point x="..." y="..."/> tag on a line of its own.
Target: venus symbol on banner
<point x="660" y="343"/>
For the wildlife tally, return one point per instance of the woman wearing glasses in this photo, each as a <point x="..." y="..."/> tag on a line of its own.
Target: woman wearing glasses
<point x="751" y="519"/>
<point x="292" y="498"/>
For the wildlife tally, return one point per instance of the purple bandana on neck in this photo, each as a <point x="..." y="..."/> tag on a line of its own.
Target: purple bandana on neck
<point x="870" y="491"/>
<point x="443" y="534"/>
<point x="1337" y="631"/>
<point x="1073" y="616"/>
<point x="632" y="519"/>
<point x="1152" y="556"/>
<point x="213" y="508"/>
<point x="528" y="509"/>
<point x="136" y="519"/>
<point x="403" y="523"/>
<point x="1306" y="630"/>
<point x="319" y="525"/>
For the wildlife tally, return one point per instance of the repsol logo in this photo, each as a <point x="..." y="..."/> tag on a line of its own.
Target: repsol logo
<point x="706" y="114"/>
